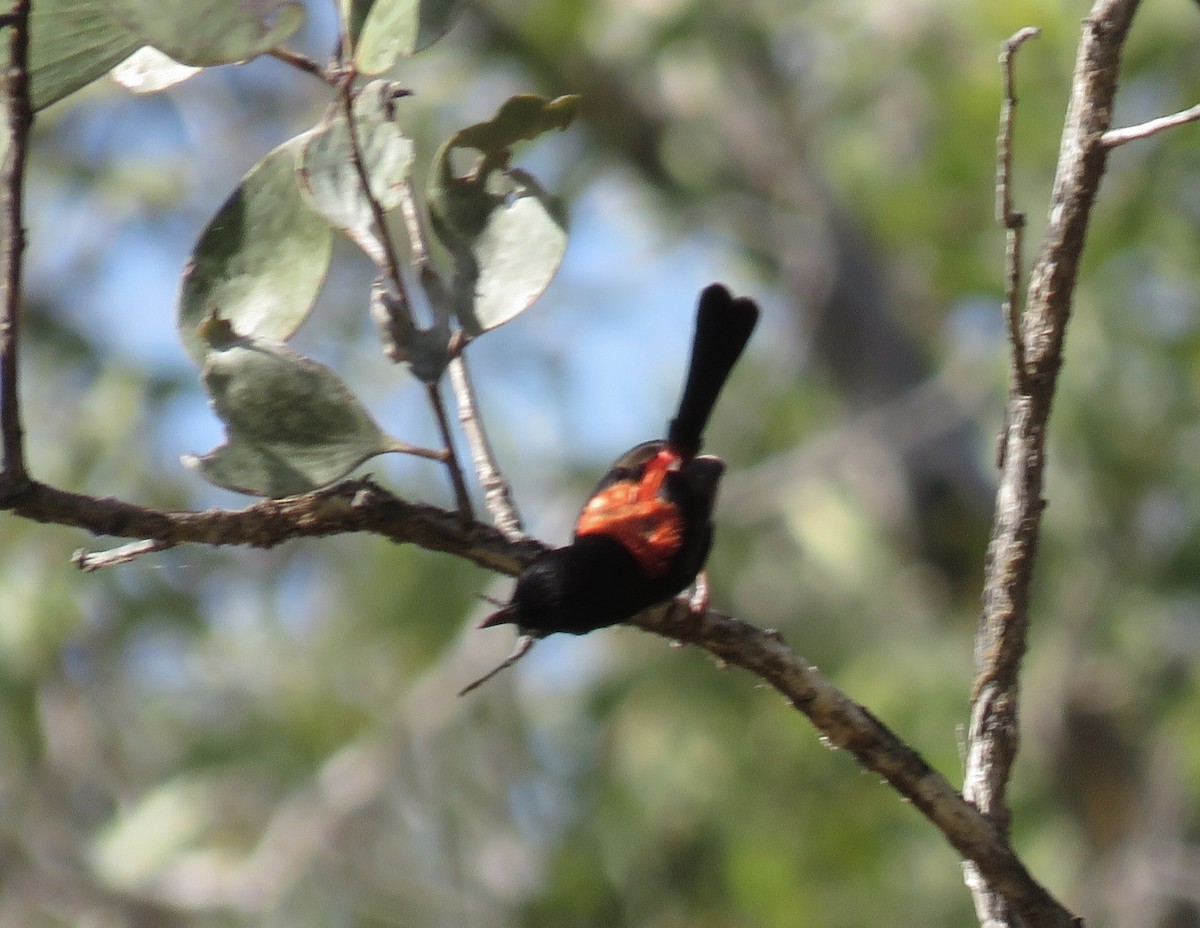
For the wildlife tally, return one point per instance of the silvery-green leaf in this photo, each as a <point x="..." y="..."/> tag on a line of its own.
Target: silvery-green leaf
<point x="505" y="233"/>
<point x="398" y="28"/>
<point x="328" y="175"/>
<point x="260" y="263"/>
<point x="211" y="32"/>
<point x="292" y="424"/>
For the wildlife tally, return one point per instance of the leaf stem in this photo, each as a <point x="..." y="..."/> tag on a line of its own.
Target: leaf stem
<point x="303" y="63"/>
<point x="462" y="498"/>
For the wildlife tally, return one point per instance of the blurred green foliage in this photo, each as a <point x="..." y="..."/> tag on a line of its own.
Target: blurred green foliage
<point x="215" y="738"/>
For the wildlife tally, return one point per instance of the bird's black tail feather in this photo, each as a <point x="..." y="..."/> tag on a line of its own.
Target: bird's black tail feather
<point x="723" y="326"/>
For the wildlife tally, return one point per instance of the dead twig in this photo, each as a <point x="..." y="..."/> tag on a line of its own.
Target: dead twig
<point x="994" y="734"/>
<point x="1114" y="137"/>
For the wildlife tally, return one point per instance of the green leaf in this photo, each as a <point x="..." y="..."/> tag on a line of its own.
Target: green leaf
<point x="149" y="71"/>
<point x="506" y="234"/>
<point x="354" y="14"/>
<point x="71" y="44"/>
<point x="520" y="119"/>
<point x="211" y="32"/>
<point x="293" y="425"/>
<point x="515" y="257"/>
<point x="260" y="263"/>
<point x="330" y="179"/>
<point x="395" y="28"/>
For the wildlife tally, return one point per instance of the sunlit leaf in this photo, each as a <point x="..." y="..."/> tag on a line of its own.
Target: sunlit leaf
<point x="506" y="234"/>
<point x="515" y="257"/>
<point x="149" y="71"/>
<point x="397" y="28"/>
<point x="261" y="261"/>
<point x="292" y="424"/>
<point x="354" y="14"/>
<point x="330" y="179"/>
<point x="210" y="32"/>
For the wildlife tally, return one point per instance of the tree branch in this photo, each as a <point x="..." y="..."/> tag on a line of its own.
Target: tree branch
<point x="303" y="63"/>
<point x="1013" y="221"/>
<point x="848" y="725"/>
<point x="363" y="506"/>
<point x="1000" y="642"/>
<point x="351" y="506"/>
<point x="1114" y="137"/>
<point x="12" y="229"/>
<point x="497" y="492"/>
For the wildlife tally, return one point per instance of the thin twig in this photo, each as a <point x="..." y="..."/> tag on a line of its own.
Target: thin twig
<point x="378" y="216"/>
<point x="994" y="734"/>
<point x="523" y="646"/>
<point x="497" y="491"/>
<point x="12" y="251"/>
<point x="462" y="498"/>
<point x="1114" y="137"/>
<point x="1013" y="221"/>
<point x="303" y="63"/>
<point x="88" y="561"/>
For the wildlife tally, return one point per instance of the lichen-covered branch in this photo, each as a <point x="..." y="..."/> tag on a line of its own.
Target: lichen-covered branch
<point x="993" y="736"/>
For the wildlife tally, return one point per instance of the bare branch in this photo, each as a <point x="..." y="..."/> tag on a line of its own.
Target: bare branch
<point x="363" y="506"/>
<point x="351" y="506"/>
<point x="1114" y="137"/>
<point x="88" y="561"/>
<point x="846" y="724"/>
<point x="12" y="230"/>
<point x="497" y="492"/>
<point x="1012" y="220"/>
<point x="1000" y="643"/>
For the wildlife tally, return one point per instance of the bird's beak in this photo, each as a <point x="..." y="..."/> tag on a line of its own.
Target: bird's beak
<point x="505" y="616"/>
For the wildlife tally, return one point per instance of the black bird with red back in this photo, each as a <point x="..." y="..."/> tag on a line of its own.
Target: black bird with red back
<point x="645" y="532"/>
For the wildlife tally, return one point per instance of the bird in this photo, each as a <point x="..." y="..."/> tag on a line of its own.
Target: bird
<point x="645" y="531"/>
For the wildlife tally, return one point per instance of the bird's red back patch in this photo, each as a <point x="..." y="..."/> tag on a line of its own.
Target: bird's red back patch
<point x="634" y="513"/>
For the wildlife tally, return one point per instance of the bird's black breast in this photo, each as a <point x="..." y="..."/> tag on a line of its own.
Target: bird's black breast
<point x="592" y="582"/>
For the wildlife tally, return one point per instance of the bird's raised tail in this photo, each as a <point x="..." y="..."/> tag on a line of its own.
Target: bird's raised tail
<point x="723" y="326"/>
